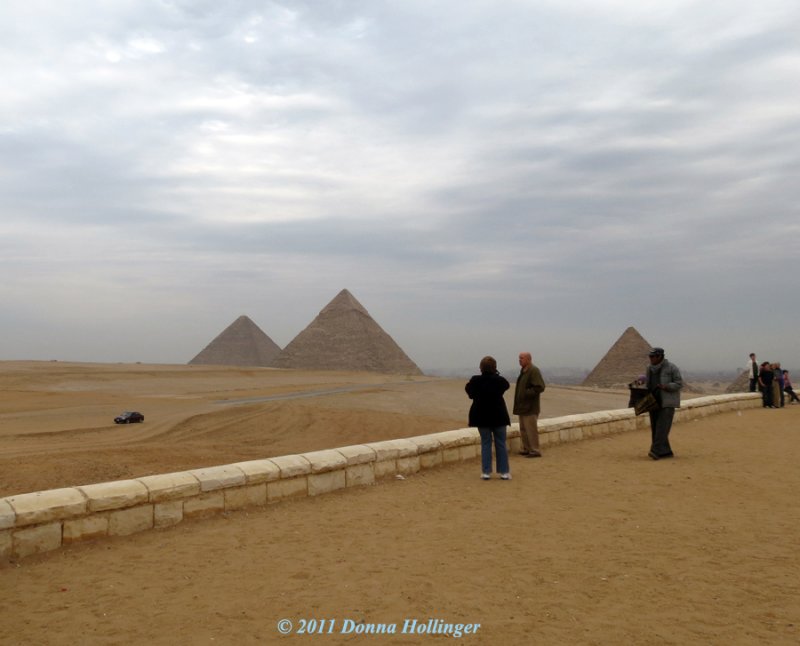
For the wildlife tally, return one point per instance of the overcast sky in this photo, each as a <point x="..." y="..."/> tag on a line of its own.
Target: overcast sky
<point x="484" y="177"/>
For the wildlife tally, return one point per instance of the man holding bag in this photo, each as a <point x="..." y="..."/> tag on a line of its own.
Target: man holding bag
<point x="664" y="381"/>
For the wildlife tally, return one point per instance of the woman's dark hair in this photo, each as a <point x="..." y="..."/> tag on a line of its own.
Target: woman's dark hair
<point x="488" y="365"/>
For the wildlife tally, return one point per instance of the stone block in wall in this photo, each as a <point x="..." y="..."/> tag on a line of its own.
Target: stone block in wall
<point x="552" y="425"/>
<point x="319" y="483"/>
<point x="409" y="465"/>
<point x="450" y="454"/>
<point x="598" y="430"/>
<point x="287" y="488"/>
<point x="619" y="415"/>
<point x="576" y="434"/>
<point x="35" y="540"/>
<point x="249" y="496"/>
<point x="170" y="486"/>
<point x="357" y="454"/>
<point x="168" y="513"/>
<point x="426" y="443"/>
<point x="384" y="451"/>
<point x="405" y="447"/>
<point x="124" y="522"/>
<point x="514" y="444"/>
<point x="566" y="422"/>
<point x="469" y="451"/>
<point x="459" y="437"/>
<point x="85" y="529"/>
<point x="257" y="471"/>
<point x="359" y="475"/>
<point x="430" y="459"/>
<point x="292" y="466"/>
<point x="221" y="477"/>
<point x="7" y="515"/>
<point x="204" y="505"/>
<point x="114" y="495"/>
<point x="385" y="468"/>
<point x="323" y="461"/>
<point x="45" y="506"/>
<point x="548" y="424"/>
<point x="588" y="419"/>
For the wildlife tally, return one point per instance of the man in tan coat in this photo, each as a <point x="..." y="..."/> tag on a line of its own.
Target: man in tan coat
<point x="530" y="385"/>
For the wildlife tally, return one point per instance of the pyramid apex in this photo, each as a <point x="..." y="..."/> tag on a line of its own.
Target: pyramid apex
<point x="344" y="301"/>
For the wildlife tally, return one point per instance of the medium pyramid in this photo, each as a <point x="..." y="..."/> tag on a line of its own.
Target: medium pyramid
<point x="344" y="336"/>
<point x="741" y="384"/>
<point x="242" y="343"/>
<point x="626" y="360"/>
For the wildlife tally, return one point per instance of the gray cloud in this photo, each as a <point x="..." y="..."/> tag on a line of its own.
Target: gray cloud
<point x="542" y="175"/>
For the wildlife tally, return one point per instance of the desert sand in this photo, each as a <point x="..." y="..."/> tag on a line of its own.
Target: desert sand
<point x="57" y="429"/>
<point x="592" y="544"/>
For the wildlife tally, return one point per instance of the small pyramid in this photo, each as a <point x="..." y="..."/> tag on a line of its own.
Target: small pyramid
<point x="242" y="343"/>
<point x="344" y="336"/>
<point x="626" y="360"/>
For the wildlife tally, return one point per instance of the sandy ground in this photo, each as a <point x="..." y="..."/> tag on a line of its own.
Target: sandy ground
<point x="56" y="419"/>
<point x="592" y="544"/>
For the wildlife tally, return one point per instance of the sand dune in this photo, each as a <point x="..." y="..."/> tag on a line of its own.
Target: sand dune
<point x="56" y="419"/>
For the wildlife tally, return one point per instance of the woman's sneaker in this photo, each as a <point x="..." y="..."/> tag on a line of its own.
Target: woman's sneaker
<point x="486" y="476"/>
<point x="505" y="476"/>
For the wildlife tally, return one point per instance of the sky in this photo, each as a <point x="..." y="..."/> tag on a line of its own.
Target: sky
<point x="484" y="177"/>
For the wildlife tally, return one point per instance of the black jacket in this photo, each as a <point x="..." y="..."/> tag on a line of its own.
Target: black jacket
<point x="488" y="406"/>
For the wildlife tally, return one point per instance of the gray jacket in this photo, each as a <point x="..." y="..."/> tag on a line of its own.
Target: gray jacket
<point x="668" y="375"/>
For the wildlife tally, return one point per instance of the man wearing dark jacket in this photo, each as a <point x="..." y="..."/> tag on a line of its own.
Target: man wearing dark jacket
<point x="530" y="385"/>
<point x="665" y="382"/>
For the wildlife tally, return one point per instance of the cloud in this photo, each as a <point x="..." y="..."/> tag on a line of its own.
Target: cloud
<point x="542" y="174"/>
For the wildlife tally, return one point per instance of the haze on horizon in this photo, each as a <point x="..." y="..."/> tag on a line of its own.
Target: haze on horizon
<point x="483" y="178"/>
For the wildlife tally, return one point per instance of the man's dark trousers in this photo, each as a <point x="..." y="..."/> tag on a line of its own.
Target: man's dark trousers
<point x="660" y="426"/>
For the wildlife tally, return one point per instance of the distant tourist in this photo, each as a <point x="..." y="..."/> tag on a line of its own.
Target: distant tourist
<point x="530" y="385"/>
<point x="489" y="413"/>
<point x="664" y="381"/>
<point x="766" y="375"/>
<point x="777" y="385"/>
<point x="752" y="372"/>
<point x="787" y="388"/>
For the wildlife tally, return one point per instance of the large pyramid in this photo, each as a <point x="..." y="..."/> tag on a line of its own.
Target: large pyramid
<point x="626" y="360"/>
<point x="344" y="336"/>
<point x="242" y="343"/>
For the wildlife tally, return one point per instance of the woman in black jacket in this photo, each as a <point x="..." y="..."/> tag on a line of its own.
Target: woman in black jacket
<point x="489" y="413"/>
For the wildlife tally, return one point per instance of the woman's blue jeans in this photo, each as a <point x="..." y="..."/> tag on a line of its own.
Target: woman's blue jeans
<point x="498" y="434"/>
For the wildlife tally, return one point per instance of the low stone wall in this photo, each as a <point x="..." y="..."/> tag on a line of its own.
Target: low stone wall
<point x="38" y="522"/>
